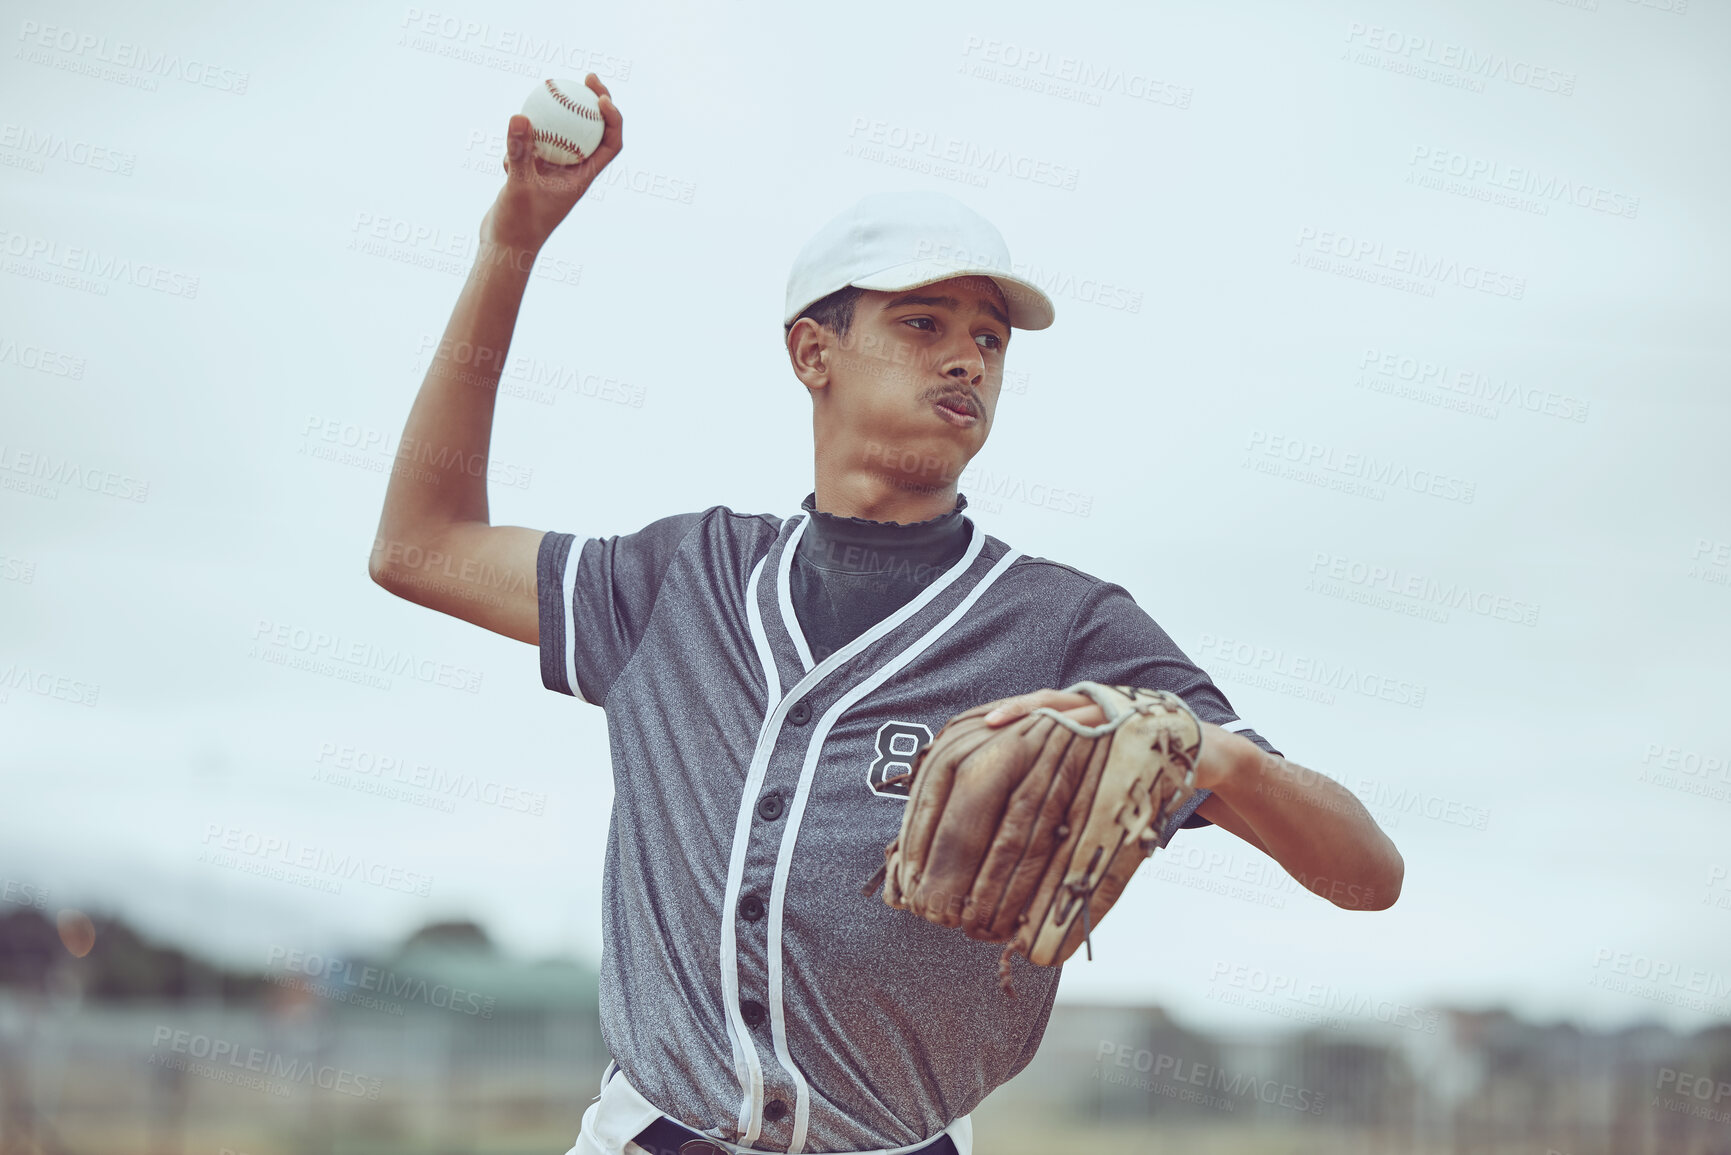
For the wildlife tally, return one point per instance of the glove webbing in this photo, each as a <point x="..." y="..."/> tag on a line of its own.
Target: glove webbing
<point x="1104" y="728"/>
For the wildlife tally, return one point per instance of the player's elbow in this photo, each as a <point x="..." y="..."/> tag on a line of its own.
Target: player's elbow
<point x="1379" y="898"/>
<point x="1384" y="892"/>
<point x="394" y="550"/>
<point x="382" y="573"/>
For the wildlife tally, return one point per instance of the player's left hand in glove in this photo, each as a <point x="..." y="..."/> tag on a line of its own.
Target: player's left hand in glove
<point x="1026" y="833"/>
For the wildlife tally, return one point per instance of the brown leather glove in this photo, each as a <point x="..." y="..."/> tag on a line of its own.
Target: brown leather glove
<point x="1026" y="834"/>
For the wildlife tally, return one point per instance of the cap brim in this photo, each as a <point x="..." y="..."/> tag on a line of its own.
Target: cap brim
<point x="1029" y="307"/>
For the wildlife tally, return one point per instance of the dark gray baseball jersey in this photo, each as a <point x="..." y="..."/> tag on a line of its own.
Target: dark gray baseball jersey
<point x="748" y="988"/>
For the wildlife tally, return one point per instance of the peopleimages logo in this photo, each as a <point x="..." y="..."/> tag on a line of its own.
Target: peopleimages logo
<point x="1273" y="988"/>
<point x="224" y="842"/>
<point x="1055" y="283"/>
<point x="505" y="48"/>
<point x="1423" y="268"/>
<point x="1173" y="1069"/>
<point x="45" y="471"/>
<point x="1066" y="76"/>
<point x="1470" y="383"/>
<point x="1417" y="49"/>
<point x="41" y="359"/>
<point x="1660" y="980"/>
<point x="382" y="773"/>
<point x="874" y="139"/>
<point x="1420" y="588"/>
<point x="254" y="1061"/>
<point x="340" y="980"/>
<point x="1520" y="179"/>
<point x="33" y="147"/>
<point x="350" y="443"/>
<point x="105" y="267"/>
<point x="1387" y="802"/>
<point x="84" y="52"/>
<point x="1353" y="468"/>
<point x="1313" y="670"/>
<point x="60" y="686"/>
<point x="23" y="894"/>
<point x="1702" y="1088"/>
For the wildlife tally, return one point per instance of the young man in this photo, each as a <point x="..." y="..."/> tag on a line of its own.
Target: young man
<point x="764" y="675"/>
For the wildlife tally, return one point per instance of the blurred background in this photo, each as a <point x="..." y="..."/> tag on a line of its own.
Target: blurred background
<point x="1384" y="376"/>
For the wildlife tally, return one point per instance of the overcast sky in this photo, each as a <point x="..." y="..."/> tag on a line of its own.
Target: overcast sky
<point x="1390" y="361"/>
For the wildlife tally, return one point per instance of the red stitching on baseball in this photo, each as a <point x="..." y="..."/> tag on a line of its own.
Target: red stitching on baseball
<point x="563" y="142"/>
<point x="571" y="105"/>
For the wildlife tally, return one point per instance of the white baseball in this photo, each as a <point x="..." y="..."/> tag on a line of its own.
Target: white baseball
<point x="566" y="117"/>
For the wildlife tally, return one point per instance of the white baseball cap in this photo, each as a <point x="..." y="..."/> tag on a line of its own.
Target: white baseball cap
<point x="892" y="241"/>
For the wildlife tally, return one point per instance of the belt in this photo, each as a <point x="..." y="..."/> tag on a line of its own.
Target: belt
<point x="665" y="1137"/>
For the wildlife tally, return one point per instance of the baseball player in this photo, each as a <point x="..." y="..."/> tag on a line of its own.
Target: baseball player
<point x="767" y="677"/>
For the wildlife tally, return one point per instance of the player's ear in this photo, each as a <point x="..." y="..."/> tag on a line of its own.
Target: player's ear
<point x="808" y="353"/>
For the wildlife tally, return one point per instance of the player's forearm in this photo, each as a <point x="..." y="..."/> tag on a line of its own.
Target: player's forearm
<point x="1316" y="829"/>
<point x="440" y="475"/>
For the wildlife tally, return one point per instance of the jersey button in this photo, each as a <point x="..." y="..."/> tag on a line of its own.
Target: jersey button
<point x="770" y="806"/>
<point x="774" y="1110"/>
<point x="751" y="908"/>
<point x="751" y="1012"/>
<point x="800" y="714"/>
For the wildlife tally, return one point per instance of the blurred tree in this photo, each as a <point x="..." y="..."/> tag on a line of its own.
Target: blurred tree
<point x="29" y="946"/>
<point x="459" y="934"/>
<point x="121" y="966"/>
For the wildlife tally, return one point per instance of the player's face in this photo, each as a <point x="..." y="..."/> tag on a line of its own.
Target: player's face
<point x="923" y="376"/>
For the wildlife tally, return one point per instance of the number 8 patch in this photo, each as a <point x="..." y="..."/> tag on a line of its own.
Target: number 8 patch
<point x="897" y="743"/>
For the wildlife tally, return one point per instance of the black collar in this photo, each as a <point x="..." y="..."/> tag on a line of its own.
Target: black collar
<point x="860" y="545"/>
